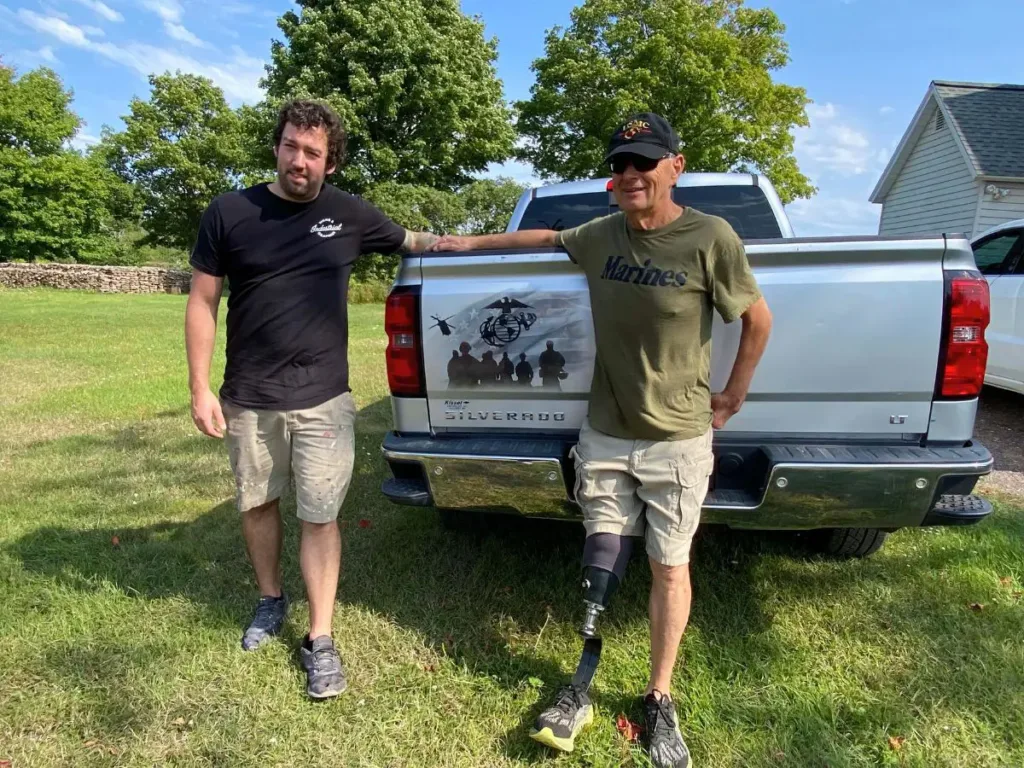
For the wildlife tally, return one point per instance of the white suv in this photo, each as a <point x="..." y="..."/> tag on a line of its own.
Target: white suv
<point x="999" y="254"/>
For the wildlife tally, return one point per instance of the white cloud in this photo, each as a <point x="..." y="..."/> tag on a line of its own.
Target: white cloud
<point x="520" y="172"/>
<point x="886" y="110"/>
<point x="171" y="11"/>
<point x="46" y="54"/>
<point x="94" y="31"/>
<point x="238" y="77"/>
<point x="825" y="111"/>
<point x="829" y="145"/>
<point x="168" y="10"/>
<point x="826" y="214"/>
<point x="49" y="11"/>
<point x="51" y="25"/>
<point x="102" y="9"/>
<point x="178" y="32"/>
<point x="84" y="140"/>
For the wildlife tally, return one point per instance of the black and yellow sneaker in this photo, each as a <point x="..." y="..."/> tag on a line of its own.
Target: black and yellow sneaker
<point x="558" y="725"/>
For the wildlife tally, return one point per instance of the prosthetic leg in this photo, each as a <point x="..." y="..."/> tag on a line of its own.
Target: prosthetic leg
<point x="605" y="556"/>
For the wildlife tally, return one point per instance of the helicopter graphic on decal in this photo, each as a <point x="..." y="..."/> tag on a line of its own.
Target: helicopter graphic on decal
<point x="446" y="329"/>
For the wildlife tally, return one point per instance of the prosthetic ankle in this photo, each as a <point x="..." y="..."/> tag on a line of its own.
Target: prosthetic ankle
<point x="605" y="556"/>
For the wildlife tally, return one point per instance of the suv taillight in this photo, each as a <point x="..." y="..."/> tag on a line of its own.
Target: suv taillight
<point x="965" y="351"/>
<point x="401" y="323"/>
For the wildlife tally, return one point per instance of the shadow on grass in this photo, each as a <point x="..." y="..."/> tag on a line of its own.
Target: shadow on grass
<point x="483" y="598"/>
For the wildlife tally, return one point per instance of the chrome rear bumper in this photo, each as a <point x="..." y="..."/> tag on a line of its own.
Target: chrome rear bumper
<point x="805" y="487"/>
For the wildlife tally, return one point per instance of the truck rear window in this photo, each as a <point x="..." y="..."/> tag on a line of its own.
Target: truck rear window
<point x="744" y="207"/>
<point x="564" y="211"/>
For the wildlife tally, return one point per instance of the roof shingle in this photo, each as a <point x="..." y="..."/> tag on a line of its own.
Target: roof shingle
<point x="990" y="122"/>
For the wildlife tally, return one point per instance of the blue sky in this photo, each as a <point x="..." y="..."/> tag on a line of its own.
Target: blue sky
<point x="865" y="63"/>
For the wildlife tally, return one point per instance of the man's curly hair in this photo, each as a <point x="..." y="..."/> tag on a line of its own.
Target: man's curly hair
<point x="306" y="115"/>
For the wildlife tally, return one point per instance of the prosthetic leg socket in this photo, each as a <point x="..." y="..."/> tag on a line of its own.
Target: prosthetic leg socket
<point x="605" y="556"/>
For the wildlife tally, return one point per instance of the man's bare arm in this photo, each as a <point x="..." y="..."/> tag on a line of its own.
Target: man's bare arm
<point x="200" y="332"/>
<point x="524" y="238"/>
<point x="757" y="326"/>
<point x="418" y="242"/>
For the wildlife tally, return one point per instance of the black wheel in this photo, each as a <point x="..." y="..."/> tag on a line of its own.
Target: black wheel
<point x="852" y="542"/>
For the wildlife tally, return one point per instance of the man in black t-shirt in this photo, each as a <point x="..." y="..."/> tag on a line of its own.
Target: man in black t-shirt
<point x="287" y="249"/>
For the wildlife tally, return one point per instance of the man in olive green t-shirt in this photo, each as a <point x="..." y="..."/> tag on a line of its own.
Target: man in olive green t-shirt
<point x="656" y="271"/>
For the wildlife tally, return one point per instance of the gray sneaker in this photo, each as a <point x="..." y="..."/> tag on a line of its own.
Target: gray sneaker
<point x="324" y="671"/>
<point x="665" y="743"/>
<point x="269" y="619"/>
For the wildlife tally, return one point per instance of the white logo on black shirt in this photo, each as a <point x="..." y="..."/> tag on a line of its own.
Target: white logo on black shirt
<point x="326" y="228"/>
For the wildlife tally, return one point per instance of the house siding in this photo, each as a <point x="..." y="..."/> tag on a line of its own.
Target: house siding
<point x="994" y="212"/>
<point x="935" y="191"/>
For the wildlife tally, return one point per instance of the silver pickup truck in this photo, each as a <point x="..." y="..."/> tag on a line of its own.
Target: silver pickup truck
<point x="859" y="420"/>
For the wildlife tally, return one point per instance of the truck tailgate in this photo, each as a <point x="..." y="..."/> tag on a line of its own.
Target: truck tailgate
<point x="508" y="339"/>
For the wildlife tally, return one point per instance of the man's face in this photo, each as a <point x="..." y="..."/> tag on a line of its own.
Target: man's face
<point x="644" y="190"/>
<point x="302" y="161"/>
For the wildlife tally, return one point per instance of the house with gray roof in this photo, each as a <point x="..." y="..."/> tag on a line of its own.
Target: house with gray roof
<point x="960" y="165"/>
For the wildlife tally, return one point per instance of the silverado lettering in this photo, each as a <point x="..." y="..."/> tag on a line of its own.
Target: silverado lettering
<point x="502" y="416"/>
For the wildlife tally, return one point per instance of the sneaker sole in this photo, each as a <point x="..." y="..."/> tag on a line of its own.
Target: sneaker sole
<point x="547" y="737"/>
<point x="327" y="694"/>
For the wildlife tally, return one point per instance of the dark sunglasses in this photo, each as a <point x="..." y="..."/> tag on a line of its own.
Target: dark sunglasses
<point x="619" y="163"/>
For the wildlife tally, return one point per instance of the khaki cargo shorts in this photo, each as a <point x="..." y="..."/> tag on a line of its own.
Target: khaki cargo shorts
<point x="644" y="488"/>
<point x="314" y="446"/>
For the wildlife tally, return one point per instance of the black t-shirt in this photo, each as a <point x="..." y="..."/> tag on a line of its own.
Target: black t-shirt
<point x="287" y="265"/>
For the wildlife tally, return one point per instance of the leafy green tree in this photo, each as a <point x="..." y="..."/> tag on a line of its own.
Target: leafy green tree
<point x="60" y="207"/>
<point x="180" y="149"/>
<point x="482" y="206"/>
<point x="413" y="80"/>
<point x="704" y="64"/>
<point x="488" y="204"/>
<point x="55" y="203"/>
<point x="35" y="112"/>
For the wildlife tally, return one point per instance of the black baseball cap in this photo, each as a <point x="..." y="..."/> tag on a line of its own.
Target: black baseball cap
<point x="645" y="134"/>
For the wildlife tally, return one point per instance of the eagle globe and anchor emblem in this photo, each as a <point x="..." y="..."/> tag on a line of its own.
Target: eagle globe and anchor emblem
<point x="505" y="327"/>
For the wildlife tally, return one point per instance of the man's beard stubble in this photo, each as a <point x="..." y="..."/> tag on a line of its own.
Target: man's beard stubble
<point x="305" y="191"/>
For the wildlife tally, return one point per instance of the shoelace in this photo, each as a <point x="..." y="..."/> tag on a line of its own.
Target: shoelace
<point x="666" y="722"/>
<point x="569" y="699"/>
<point x="264" y="611"/>
<point x="325" y="660"/>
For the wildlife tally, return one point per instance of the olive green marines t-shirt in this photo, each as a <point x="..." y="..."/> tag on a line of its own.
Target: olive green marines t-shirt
<point x="652" y="294"/>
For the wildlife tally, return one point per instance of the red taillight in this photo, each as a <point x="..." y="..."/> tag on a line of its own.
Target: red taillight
<point x="966" y="351"/>
<point x="609" y="185"/>
<point x="401" y="323"/>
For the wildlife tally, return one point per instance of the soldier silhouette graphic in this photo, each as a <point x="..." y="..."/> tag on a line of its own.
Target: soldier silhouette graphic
<point x="552" y="365"/>
<point x="524" y="371"/>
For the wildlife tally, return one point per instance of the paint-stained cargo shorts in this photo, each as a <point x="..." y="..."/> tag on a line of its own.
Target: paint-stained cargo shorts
<point x="314" y="446"/>
<point x="653" y="489"/>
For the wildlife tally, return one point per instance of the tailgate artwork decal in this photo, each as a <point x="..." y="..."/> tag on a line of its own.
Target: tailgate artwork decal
<point x="510" y="343"/>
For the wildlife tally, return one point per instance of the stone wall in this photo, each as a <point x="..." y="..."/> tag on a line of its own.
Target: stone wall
<point x="102" y="279"/>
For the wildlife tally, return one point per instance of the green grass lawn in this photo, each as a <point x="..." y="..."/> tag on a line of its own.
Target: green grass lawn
<point x="124" y="586"/>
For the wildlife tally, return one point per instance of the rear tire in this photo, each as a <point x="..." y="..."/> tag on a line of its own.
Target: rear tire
<point x="852" y="542"/>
